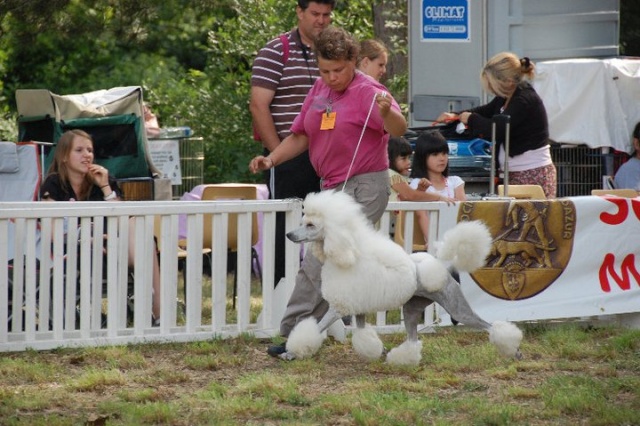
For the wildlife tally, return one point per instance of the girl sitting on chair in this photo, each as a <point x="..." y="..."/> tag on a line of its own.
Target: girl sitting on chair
<point x="73" y="176"/>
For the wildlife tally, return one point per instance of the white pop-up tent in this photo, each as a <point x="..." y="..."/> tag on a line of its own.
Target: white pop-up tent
<point x="595" y="102"/>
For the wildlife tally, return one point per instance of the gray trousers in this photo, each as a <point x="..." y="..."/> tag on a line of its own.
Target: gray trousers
<point x="372" y="191"/>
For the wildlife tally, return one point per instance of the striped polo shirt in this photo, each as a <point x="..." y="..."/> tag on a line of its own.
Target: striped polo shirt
<point x="291" y="81"/>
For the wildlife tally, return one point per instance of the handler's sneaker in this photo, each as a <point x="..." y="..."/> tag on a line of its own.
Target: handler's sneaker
<point x="277" y="350"/>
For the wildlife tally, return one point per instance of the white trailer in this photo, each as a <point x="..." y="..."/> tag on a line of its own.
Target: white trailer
<point x="450" y="40"/>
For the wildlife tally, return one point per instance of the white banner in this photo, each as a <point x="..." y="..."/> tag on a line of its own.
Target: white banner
<point x="565" y="258"/>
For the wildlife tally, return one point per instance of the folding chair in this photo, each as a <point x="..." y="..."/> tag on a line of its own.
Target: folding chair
<point x="231" y="191"/>
<point x="524" y="192"/>
<point x="20" y="176"/>
<point x="622" y="192"/>
<point x="418" y="236"/>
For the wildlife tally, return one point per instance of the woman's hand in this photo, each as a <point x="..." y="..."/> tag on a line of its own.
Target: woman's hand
<point x="394" y="121"/>
<point x="99" y="175"/>
<point x="447" y="200"/>
<point x="260" y="163"/>
<point x="464" y="117"/>
<point x="446" y="117"/>
<point x="383" y="99"/>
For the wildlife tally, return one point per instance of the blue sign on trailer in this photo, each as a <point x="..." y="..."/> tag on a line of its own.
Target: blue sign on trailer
<point x="445" y="20"/>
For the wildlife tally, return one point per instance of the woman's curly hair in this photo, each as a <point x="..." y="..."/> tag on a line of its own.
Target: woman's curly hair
<point x="334" y="43"/>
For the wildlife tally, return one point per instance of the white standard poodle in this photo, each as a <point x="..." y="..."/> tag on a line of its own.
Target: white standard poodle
<point x="364" y="271"/>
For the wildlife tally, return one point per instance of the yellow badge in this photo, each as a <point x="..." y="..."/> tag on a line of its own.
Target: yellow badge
<point x="328" y="121"/>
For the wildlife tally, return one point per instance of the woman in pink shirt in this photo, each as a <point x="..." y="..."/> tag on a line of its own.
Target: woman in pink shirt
<point x="344" y="124"/>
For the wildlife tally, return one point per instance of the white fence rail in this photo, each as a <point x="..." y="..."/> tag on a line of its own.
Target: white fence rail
<point x="54" y="296"/>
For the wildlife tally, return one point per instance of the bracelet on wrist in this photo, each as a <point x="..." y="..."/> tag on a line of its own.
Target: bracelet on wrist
<point x="111" y="196"/>
<point x="104" y="186"/>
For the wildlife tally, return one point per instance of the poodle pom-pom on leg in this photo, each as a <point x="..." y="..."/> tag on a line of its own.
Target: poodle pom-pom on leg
<point x="408" y="353"/>
<point x="506" y="337"/>
<point x="366" y="343"/>
<point x="305" y="339"/>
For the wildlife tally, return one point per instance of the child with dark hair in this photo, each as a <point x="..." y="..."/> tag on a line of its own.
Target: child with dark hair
<point x="399" y="151"/>
<point x="431" y="161"/>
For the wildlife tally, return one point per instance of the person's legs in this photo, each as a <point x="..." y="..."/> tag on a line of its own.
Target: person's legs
<point x="155" y="301"/>
<point x="422" y="218"/>
<point x="545" y="176"/>
<point x="306" y="299"/>
<point x="294" y="179"/>
<point x="155" y="277"/>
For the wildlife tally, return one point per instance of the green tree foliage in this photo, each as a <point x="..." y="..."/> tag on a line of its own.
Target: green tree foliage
<point x="630" y="28"/>
<point x="224" y="99"/>
<point x="192" y="57"/>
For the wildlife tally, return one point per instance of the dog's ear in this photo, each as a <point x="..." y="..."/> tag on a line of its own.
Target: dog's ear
<point x="340" y="247"/>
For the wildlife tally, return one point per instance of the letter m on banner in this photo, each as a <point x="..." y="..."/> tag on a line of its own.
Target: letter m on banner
<point x="628" y="268"/>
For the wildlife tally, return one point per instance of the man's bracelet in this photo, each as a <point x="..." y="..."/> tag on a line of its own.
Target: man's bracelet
<point x="111" y="196"/>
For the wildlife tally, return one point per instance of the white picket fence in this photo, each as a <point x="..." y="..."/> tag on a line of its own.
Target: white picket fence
<point x="53" y="297"/>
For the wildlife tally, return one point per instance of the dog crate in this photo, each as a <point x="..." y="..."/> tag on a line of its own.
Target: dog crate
<point x="581" y="169"/>
<point x="191" y="165"/>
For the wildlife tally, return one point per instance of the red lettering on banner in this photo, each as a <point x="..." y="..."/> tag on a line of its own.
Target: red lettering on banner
<point x="608" y="268"/>
<point x="623" y="210"/>
<point x="635" y="205"/>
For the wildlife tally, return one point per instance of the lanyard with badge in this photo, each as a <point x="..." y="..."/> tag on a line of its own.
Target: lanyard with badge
<point x="329" y="117"/>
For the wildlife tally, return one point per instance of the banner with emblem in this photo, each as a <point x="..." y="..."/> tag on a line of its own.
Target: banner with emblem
<point x="564" y="258"/>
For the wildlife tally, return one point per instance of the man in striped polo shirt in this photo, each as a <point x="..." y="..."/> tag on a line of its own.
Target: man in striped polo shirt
<point x="282" y="75"/>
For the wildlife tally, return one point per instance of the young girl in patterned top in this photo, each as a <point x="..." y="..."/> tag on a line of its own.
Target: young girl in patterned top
<point x="399" y="151"/>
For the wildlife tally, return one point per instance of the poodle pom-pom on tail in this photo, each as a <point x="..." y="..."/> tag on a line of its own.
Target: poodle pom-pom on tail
<point x="506" y="337"/>
<point x="432" y="274"/>
<point x="305" y="339"/>
<point x="466" y="245"/>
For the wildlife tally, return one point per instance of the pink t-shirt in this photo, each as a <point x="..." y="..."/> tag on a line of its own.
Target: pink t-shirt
<point x="331" y="151"/>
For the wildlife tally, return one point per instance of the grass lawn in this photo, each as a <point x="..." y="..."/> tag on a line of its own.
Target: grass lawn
<point x="571" y="374"/>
